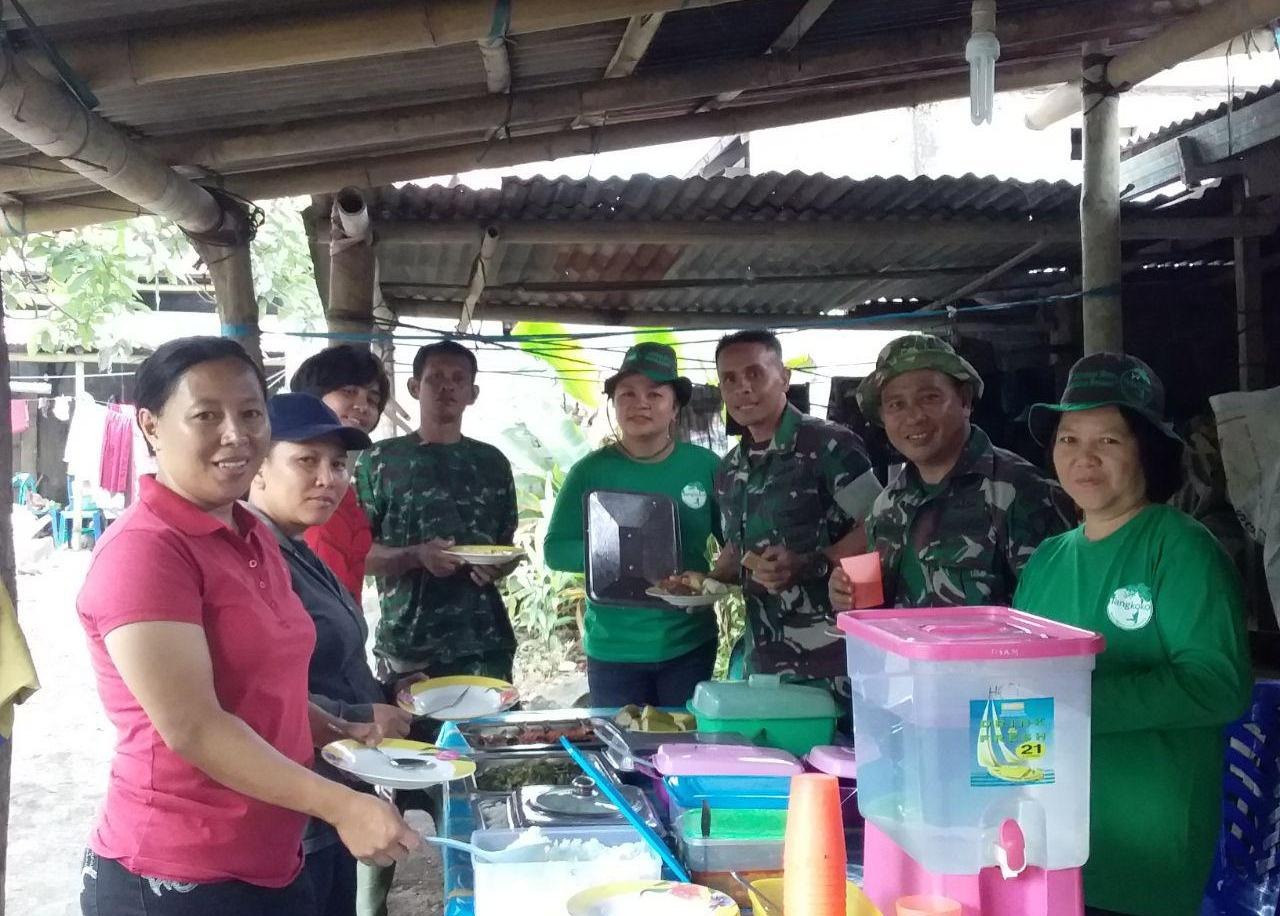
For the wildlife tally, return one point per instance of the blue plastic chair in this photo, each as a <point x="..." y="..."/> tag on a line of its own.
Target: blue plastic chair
<point x="1245" y="880"/>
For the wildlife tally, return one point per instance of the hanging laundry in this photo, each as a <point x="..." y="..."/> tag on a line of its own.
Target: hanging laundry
<point x="115" y="470"/>
<point x="19" y="416"/>
<point x="83" y="453"/>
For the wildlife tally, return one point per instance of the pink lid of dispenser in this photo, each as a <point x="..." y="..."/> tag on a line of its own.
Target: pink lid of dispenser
<point x="834" y="759"/>
<point x="957" y="634"/>
<point x="724" y="760"/>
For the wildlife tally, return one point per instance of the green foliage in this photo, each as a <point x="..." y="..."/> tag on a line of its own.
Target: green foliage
<point x="283" y="278"/>
<point x="572" y="364"/>
<point x="75" y="283"/>
<point x="540" y="600"/>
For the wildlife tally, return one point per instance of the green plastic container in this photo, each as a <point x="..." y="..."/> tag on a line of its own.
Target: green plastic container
<point x="771" y="713"/>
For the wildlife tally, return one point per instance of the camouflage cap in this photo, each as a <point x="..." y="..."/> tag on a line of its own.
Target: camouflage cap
<point x="654" y="361"/>
<point x="907" y="354"/>
<point x="1105" y="380"/>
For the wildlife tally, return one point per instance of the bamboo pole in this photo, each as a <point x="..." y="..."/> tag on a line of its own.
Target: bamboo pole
<point x="1100" y="226"/>
<point x="8" y="578"/>
<point x="349" y="308"/>
<point x="485" y="264"/>
<point x="1182" y="40"/>
<point x="44" y="115"/>
<point x="142" y="57"/>
<point x="226" y="152"/>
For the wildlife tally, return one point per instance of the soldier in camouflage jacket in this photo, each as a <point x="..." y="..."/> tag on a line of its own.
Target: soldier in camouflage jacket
<point x="961" y="518"/>
<point x="792" y="497"/>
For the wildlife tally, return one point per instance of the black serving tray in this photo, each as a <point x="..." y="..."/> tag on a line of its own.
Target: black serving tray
<point x="632" y="543"/>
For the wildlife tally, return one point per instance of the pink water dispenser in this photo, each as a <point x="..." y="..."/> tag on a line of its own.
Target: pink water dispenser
<point x="971" y="727"/>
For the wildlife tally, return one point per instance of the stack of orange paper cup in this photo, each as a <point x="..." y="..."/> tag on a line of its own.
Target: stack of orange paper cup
<point x="813" y="853"/>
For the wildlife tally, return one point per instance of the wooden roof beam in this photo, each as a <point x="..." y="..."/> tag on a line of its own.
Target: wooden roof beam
<point x="632" y="48"/>
<point x="227" y="152"/>
<point x="1184" y="39"/>
<point x="142" y="57"/>
<point x="805" y="19"/>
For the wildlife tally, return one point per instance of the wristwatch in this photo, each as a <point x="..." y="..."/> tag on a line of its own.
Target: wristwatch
<point x="820" y="566"/>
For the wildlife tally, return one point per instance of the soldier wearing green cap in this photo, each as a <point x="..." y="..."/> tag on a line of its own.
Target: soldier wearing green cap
<point x="961" y="518"/>
<point x="793" y="495"/>
<point x="1157" y="585"/>
<point x="644" y="655"/>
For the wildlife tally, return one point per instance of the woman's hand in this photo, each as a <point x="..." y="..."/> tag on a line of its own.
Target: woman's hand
<point x="392" y="721"/>
<point x="372" y="829"/>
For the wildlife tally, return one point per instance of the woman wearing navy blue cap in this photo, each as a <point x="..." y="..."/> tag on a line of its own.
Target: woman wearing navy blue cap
<point x="299" y="485"/>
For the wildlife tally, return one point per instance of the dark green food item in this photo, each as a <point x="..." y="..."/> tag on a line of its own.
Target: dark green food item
<point x="509" y="776"/>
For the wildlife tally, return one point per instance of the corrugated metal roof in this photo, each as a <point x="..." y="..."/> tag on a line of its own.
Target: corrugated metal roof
<point x="1177" y="128"/>
<point x="716" y="278"/>
<point x="774" y="195"/>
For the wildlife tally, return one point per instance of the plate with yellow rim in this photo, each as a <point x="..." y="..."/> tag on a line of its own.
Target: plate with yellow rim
<point x="458" y="697"/>
<point x="485" y="554"/>
<point x="659" y="898"/>
<point x="373" y="767"/>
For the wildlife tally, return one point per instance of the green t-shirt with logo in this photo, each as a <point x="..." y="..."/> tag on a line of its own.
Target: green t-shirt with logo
<point x="623" y="634"/>
<point x="1175" y="671"/>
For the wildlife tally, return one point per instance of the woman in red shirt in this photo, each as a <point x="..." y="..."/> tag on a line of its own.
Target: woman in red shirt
<point x="201" y="650"/>
<point x="353" y="384"/>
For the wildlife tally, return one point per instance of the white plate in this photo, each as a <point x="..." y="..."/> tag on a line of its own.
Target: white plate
<point x="485" y="555"/>
<point x="366" y="763"/>
<point x="685" y="601"/>
<point x="458" y="697"/>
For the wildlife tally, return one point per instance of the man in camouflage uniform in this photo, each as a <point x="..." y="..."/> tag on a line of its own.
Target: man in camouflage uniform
<point x="958" y="522"/>
<point x="425" y="492"/>
<point x="792" y="495"/>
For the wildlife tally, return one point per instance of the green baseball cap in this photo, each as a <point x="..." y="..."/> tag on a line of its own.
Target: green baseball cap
<point x="656" y="362"/>
<point x="1105" y="380"/>
<point x="907" y="354"/>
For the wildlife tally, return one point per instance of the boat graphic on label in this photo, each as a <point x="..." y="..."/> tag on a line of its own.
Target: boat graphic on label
<point x="1012" y="741"/>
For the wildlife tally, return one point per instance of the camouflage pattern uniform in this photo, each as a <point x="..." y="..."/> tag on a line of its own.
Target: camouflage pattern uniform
<point x="413" y="493"/>
<point x="1203" y="495"/>
<point x="974" y="531"/>
<point x="973" y="536"/>
<point x="805" y="491"/>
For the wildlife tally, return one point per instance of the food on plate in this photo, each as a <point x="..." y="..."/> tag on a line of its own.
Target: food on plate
<point x="690" y="584"/>
<point x="752" y="560"/>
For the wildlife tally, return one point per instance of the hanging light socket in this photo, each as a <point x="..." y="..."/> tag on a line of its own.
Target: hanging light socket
<point x="982" y="50"/>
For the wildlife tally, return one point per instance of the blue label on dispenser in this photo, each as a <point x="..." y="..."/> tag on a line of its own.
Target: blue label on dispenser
<point x="1011" y="742"/>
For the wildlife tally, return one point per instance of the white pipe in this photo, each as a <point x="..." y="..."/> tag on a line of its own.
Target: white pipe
<point x="479" y="277"/>
<point x="352" y="213"/>
<point x="1179" y="42"/>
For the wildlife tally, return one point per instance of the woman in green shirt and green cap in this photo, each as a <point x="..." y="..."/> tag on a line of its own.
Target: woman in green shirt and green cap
<point x="641" y="655"/>
<point x="1175" y="670"/>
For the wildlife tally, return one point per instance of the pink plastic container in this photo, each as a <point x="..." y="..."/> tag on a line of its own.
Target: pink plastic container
<point x="724" y="760"/>
<point x="839" y="761"/>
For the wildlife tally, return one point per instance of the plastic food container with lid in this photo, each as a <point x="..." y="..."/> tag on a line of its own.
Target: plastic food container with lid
<point x="792" y="717"/>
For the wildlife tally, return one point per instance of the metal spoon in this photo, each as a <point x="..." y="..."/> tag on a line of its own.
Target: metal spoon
<point x="771" y="907"/>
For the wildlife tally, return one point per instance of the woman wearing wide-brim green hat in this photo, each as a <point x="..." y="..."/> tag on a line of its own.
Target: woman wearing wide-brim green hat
<point x="1170" y="604"/>
<point x="643" y="655"/>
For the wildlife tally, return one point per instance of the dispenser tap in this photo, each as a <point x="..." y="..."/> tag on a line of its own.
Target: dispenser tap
<point x="1011" y="852"/>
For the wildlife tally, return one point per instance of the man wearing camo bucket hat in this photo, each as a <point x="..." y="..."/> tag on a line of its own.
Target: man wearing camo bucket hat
<point x="961" y="518"/>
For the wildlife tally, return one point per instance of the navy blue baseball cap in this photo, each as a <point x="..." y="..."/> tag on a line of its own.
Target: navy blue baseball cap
<point x="303" y="417"/>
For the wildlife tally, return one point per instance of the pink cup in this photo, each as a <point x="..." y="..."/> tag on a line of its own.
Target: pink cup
<point x="864" y="572"/>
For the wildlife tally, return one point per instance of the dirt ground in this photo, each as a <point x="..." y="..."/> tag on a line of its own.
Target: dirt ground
<point x="62" y="751"/>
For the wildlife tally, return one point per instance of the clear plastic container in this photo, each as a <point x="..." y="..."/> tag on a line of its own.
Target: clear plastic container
<point x="747" y="841"/>
<point x="543" y="885"/>
<point x="964" y="717"/>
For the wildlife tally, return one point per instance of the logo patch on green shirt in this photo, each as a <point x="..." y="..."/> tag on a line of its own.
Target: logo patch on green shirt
<point x="1130" y="607"/>
<point x="694" y="495"/>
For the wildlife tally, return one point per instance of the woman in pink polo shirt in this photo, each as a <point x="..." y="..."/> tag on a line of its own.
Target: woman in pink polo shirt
<point x="201" y="650"/>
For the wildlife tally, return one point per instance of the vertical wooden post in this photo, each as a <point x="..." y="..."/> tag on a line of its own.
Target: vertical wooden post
<point x="228" y="262"/>
<point x="349" y="307"/>
<point x="1251" y="342"/>
<point x="1103" y="326"/>
<point x="9" y="579"/>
